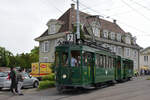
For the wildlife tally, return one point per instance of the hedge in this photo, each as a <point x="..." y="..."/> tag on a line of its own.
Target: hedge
<point x="50" y="77"/>
<point x="46" y="84"/>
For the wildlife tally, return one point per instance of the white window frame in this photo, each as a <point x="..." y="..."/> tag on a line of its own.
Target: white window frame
<point x="135" y="54"/>
<point x="96" y="31"/>
<point x="128" y="40"/>
<point x="46" y="46"/>
<point x="119" y="50"/>
<point x="145" y="58"/>
<point x="113" y="48"/>
<point x="52" y="29"/>
<point x="119" y="37"/>
<point x="128" y="52"/>
<point x="112" y="35"/>
<point x="105" y="34"/>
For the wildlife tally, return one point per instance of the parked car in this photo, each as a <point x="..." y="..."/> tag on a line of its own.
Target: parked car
<point x="5" y="82"/>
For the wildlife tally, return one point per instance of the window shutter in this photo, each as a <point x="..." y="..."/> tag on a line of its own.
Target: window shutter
<point x="48" y="46"/>
<point x="42" y="46"/>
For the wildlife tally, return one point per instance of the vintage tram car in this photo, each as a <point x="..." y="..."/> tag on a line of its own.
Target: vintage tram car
<point x="94" y="66"/>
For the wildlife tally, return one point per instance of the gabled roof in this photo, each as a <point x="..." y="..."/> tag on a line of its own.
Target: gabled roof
<point x="146" y="49"/>
<point x="69" y="18"/>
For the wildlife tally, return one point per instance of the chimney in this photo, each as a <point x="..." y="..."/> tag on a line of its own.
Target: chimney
<point x="114" y="21"/>
<point x="73" y="6"/>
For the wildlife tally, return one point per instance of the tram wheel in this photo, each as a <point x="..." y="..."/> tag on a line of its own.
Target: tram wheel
<point x="60" y="89"/>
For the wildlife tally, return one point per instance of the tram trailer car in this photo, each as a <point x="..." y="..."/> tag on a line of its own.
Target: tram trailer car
<point x="93" y="67"/>
<point x="123" y="69"/>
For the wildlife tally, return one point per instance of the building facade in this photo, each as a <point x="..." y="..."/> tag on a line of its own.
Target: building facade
<point x="145" y="57"/>
<point x="107" y="33"/>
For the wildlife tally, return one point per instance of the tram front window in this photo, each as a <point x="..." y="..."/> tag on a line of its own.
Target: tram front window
<point x="75" y="58"/>
<point x="65" y="59"/>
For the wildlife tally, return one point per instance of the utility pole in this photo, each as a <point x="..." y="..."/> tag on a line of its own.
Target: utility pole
<point x="78" y="21"/>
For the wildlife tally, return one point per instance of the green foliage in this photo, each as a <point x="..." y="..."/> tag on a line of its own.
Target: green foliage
<point x="46" y="84"/>
<point x="148" y="78"/>
<point x="25" y="59"/>
<point x="53" y="67"/>
<point x="47" y="81"/>
<point x="7" y="59"/>
<point x="50" y="77"/>
<point x="35" y="54"/>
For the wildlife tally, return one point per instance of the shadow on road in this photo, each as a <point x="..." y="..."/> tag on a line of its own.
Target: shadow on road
<point x="74" y="92"/>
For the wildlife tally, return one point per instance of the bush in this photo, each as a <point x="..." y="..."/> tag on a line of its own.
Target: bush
<point x="148" y="78"/>
<point x="46" y="84"/>
<point x="50" y="77"/>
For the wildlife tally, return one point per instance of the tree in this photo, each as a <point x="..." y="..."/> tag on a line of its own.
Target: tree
<point x="35" y="54"/>
<point x="22" y="60"/>
<point x="4" y="57"/>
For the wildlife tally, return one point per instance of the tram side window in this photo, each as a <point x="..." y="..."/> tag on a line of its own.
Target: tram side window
<point x="104" y="61"/>
<point x="107" y="63"/>
<point x="97" y="60"/>
<point x="56" y="59"/>
<point x="110" y="62"/>
<point x="85" y="59"/>
<point x="75" y="58"/>
<point x="101" y="61"/>
<point x="65" y="59"/>
<point x="113" y="62"/>
<point x="89" y="57"/>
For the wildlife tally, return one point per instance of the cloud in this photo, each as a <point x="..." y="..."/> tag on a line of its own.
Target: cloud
<point x="23" y="20"/>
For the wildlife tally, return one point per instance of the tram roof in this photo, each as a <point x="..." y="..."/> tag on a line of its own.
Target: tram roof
<point x="100" y="50"/>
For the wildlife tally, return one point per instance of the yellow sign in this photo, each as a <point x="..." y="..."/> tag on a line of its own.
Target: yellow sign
<point x="45" y="68"/>
<point x="41" y="69"/>
<point x="35" y="68"/>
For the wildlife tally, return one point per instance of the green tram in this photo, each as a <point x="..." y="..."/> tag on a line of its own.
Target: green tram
<point x="93" y="66"/>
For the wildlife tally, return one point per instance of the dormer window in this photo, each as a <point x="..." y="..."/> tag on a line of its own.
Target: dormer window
<point x="95" y="28"/>
<point x="128" y="40"/>
<point x="128" y="37"/>
<point x="52" y="29"/>
<point x="53" y="26"/>
<point x="112" y="35"/>
<point x="119" y="37"/>
<point x="134" y="40"/>
<point x="96" y="31"/>
<point x="105" y="34"/>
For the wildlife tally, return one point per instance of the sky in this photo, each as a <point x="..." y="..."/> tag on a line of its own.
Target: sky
<point x="21" y="21"/>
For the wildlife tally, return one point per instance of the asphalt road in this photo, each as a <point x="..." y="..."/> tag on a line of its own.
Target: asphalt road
<point x="137" y="89"/>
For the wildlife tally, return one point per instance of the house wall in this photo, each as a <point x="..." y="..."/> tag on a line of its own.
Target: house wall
<point x="142" y="61"/>
<point x="133" y="54"/>
<point x="50" y="55"/>
<point x="108" y="38"/>
<point x="47" y="56"/>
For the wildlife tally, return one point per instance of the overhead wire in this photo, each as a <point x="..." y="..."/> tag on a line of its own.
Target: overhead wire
<point x="135" y="10"/>
<point x="109" y="17"/>
<point x="141" y="5"/>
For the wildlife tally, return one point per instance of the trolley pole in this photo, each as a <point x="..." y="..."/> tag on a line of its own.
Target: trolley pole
<point x="78" y="21"/>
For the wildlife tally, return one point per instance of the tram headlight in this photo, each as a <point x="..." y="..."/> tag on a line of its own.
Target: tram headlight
<point x="64" y="76"/>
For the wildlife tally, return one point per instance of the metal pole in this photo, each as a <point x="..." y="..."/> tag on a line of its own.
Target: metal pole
<point x="78" y="21"/>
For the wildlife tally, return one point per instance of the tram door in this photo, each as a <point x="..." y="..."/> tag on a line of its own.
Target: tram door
<point x="118" y="69"/>
<point x="90" y="60"/>
<point x="75" y="66"/>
